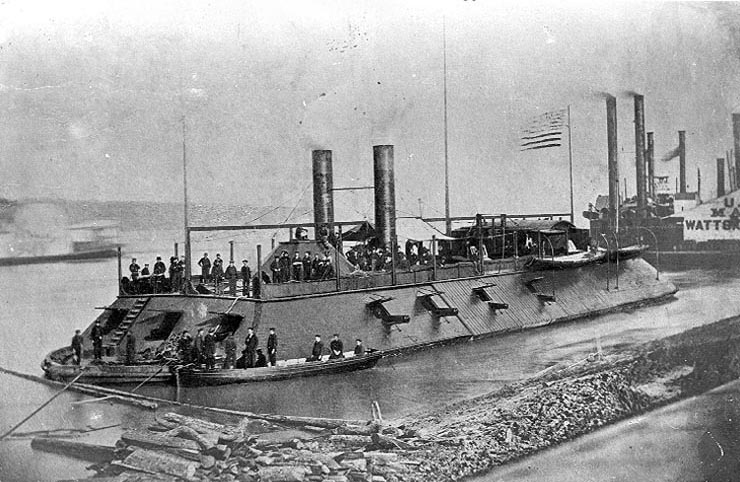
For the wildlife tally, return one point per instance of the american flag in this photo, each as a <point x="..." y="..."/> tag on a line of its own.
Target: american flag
<point x="545" y="130"/>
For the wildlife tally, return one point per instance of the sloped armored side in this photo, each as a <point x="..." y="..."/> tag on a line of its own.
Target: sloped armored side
<point x="110" y="318"/>
<point x="353" y="315"/>
<point x="577" y="293"/>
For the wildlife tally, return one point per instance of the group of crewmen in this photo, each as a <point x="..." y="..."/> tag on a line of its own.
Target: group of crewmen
<point x="305" y="268"/>
<point x="211" y="271"/>
<point x="201" y="350"/>
<point x="96" y="335"/>
<point x="367" y="258"/>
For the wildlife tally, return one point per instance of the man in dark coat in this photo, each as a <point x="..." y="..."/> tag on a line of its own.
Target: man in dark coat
<point x="272" y="344"/>
<point x="336" y="348"/>
<point x="77" y="347"/>
<point x="251" y="348"/>
<point x="230" y="351"/>
<point x="284" y="263"/>
<point x="359" y="349"/>
<point x="134" y="269"/>
<point x="174" y="280"/>
<point x="315" y="267"/>
<point x="145" y="270"/>
<point x="317" y="349"/>
<point x="205" y="268"/>
<point x="185" y="347"/>
<point x="159" y="270"/>
<point x="130" y="348"/>
<point x="306" y="261"/>
<point x="275" y="269"/>
<point x="209" y="349"/>
<point x="198" y="355"/>
<point x="261" y="360"/>
<point x="97" y="340"/>
<point x="231" y="276"/>
<point x="217" y="271"/>
<point x="246" y="277"/>
<point x="297" y="267"/>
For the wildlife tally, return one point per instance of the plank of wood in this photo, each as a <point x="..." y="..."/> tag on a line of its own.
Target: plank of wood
<point x="146" y="439"/>
<point x="152" y="461"/>
<point x="71" y="448"/>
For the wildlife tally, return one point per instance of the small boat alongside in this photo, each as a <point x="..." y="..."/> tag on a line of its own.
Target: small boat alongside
<point x="628" y="252"/>
<point x="569" y="261"/>
<point x="58" y="366"/>
<point x="284" y="370"/>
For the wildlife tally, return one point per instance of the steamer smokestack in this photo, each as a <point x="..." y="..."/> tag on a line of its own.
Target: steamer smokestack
<point x="650" y="159"/>
<point x="611" y="139"/>
<point x="720" y="177"/>
<point x="323" y="196"/>
<point x="640" y="153"/>
<point x="385" y="195"/>
<point x="736" y="138"/>
<point x="682" y="162"/>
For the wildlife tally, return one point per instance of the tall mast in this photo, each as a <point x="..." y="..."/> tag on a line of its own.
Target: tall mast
<point x="448" y="223"/>
<point x="185" y="203"/>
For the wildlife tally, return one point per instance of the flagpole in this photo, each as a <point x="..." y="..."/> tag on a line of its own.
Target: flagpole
<point x="570" y="167"/>
<point x="448" y="223"/>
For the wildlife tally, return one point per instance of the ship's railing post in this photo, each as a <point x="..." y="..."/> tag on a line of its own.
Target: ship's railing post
<point x="657" y="252"/>
<point x="608" y="262"/>
<point x="257" y="289"/>
<point x="393" y="260"/>
<point x="434" y="257"/>
<point x="552" y="254"/>
<point x="616" y="258"/>
<point x="336" y="269"/>
<point x="231" y="251"/>
<point x="176" y="254"/>
<point x="503" y="241"/>
<point x="516" y="251"/>
<point x="120" y="272"/>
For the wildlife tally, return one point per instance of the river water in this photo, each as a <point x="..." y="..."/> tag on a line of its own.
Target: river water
<point x="41" y="305"/>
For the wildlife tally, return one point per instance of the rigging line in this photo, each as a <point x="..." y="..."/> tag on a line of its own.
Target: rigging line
<point x="294" y="207"/>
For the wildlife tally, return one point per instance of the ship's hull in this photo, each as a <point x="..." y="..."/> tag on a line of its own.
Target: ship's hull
<point x="60" y="258"/>
<point x="190" y="377"/>
<point x="390" y="319"/>
<point x="693" y="259"/>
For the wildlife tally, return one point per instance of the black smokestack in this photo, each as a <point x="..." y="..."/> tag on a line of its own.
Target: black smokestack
<point x="682" y="161"/>
<point x="611" y="140"/>
<point x="385" y="195"/>
<point x="323" y="196"/>
<point x="640" y="153"/>
<point x="720" y="177"/>
<point x="650" y="159"/>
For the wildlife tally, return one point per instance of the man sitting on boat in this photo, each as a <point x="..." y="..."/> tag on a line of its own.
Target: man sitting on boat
<point x="261" y="359"/>
<point x="359" y="349"/>
<point x="336" y="348"/>
<point x="316" y="351"/>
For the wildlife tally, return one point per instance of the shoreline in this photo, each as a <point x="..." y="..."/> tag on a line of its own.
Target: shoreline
<point x="466" y="438"/>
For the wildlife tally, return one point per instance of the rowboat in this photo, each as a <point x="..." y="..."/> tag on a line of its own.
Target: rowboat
<point x="568" y="261"/>
<point x="57" y="366"/>
<point x="284" y="370"/>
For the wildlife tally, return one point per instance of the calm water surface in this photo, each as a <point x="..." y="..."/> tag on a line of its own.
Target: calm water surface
<point x="40" y="306"/>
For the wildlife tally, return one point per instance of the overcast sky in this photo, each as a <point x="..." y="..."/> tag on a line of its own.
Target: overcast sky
<point x="93" y="94"/>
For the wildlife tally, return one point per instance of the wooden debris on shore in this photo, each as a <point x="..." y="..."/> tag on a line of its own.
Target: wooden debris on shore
<point x="189" y="448"/>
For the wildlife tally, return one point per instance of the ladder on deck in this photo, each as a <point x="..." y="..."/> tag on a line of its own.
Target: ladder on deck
<point x="128" y="321"/>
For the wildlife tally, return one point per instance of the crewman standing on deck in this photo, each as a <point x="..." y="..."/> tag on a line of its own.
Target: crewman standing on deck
<point x="231" y="276"/>
<point x="130" y="348"/>
<point x="272" y="343"/>
<point x="97" y="340"/>
<point x="209" y="347"/>
<point x="297" y="267"/>
<point x="205" y="268"/>
<point x="217" y="272"/>
<point x="185" y="347"/>
<point x="246" y="277"/>
<point x="230" y="351"/>
<point x="198" y="348"/>
<point x="77" y="347"/>
<point x="251" y="348"/>
<point x="134" y="269"/>
<point x="306" y="261"/>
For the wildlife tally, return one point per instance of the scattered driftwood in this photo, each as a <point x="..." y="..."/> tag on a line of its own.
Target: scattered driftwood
<point x="384" y="441"/>
<point x="79" y="450"/>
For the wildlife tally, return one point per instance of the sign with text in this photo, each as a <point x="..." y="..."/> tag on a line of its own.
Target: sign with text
<point x="716" y="219"/>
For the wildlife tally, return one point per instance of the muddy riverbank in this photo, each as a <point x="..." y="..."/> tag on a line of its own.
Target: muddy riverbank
<point x="462" y="439"/>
